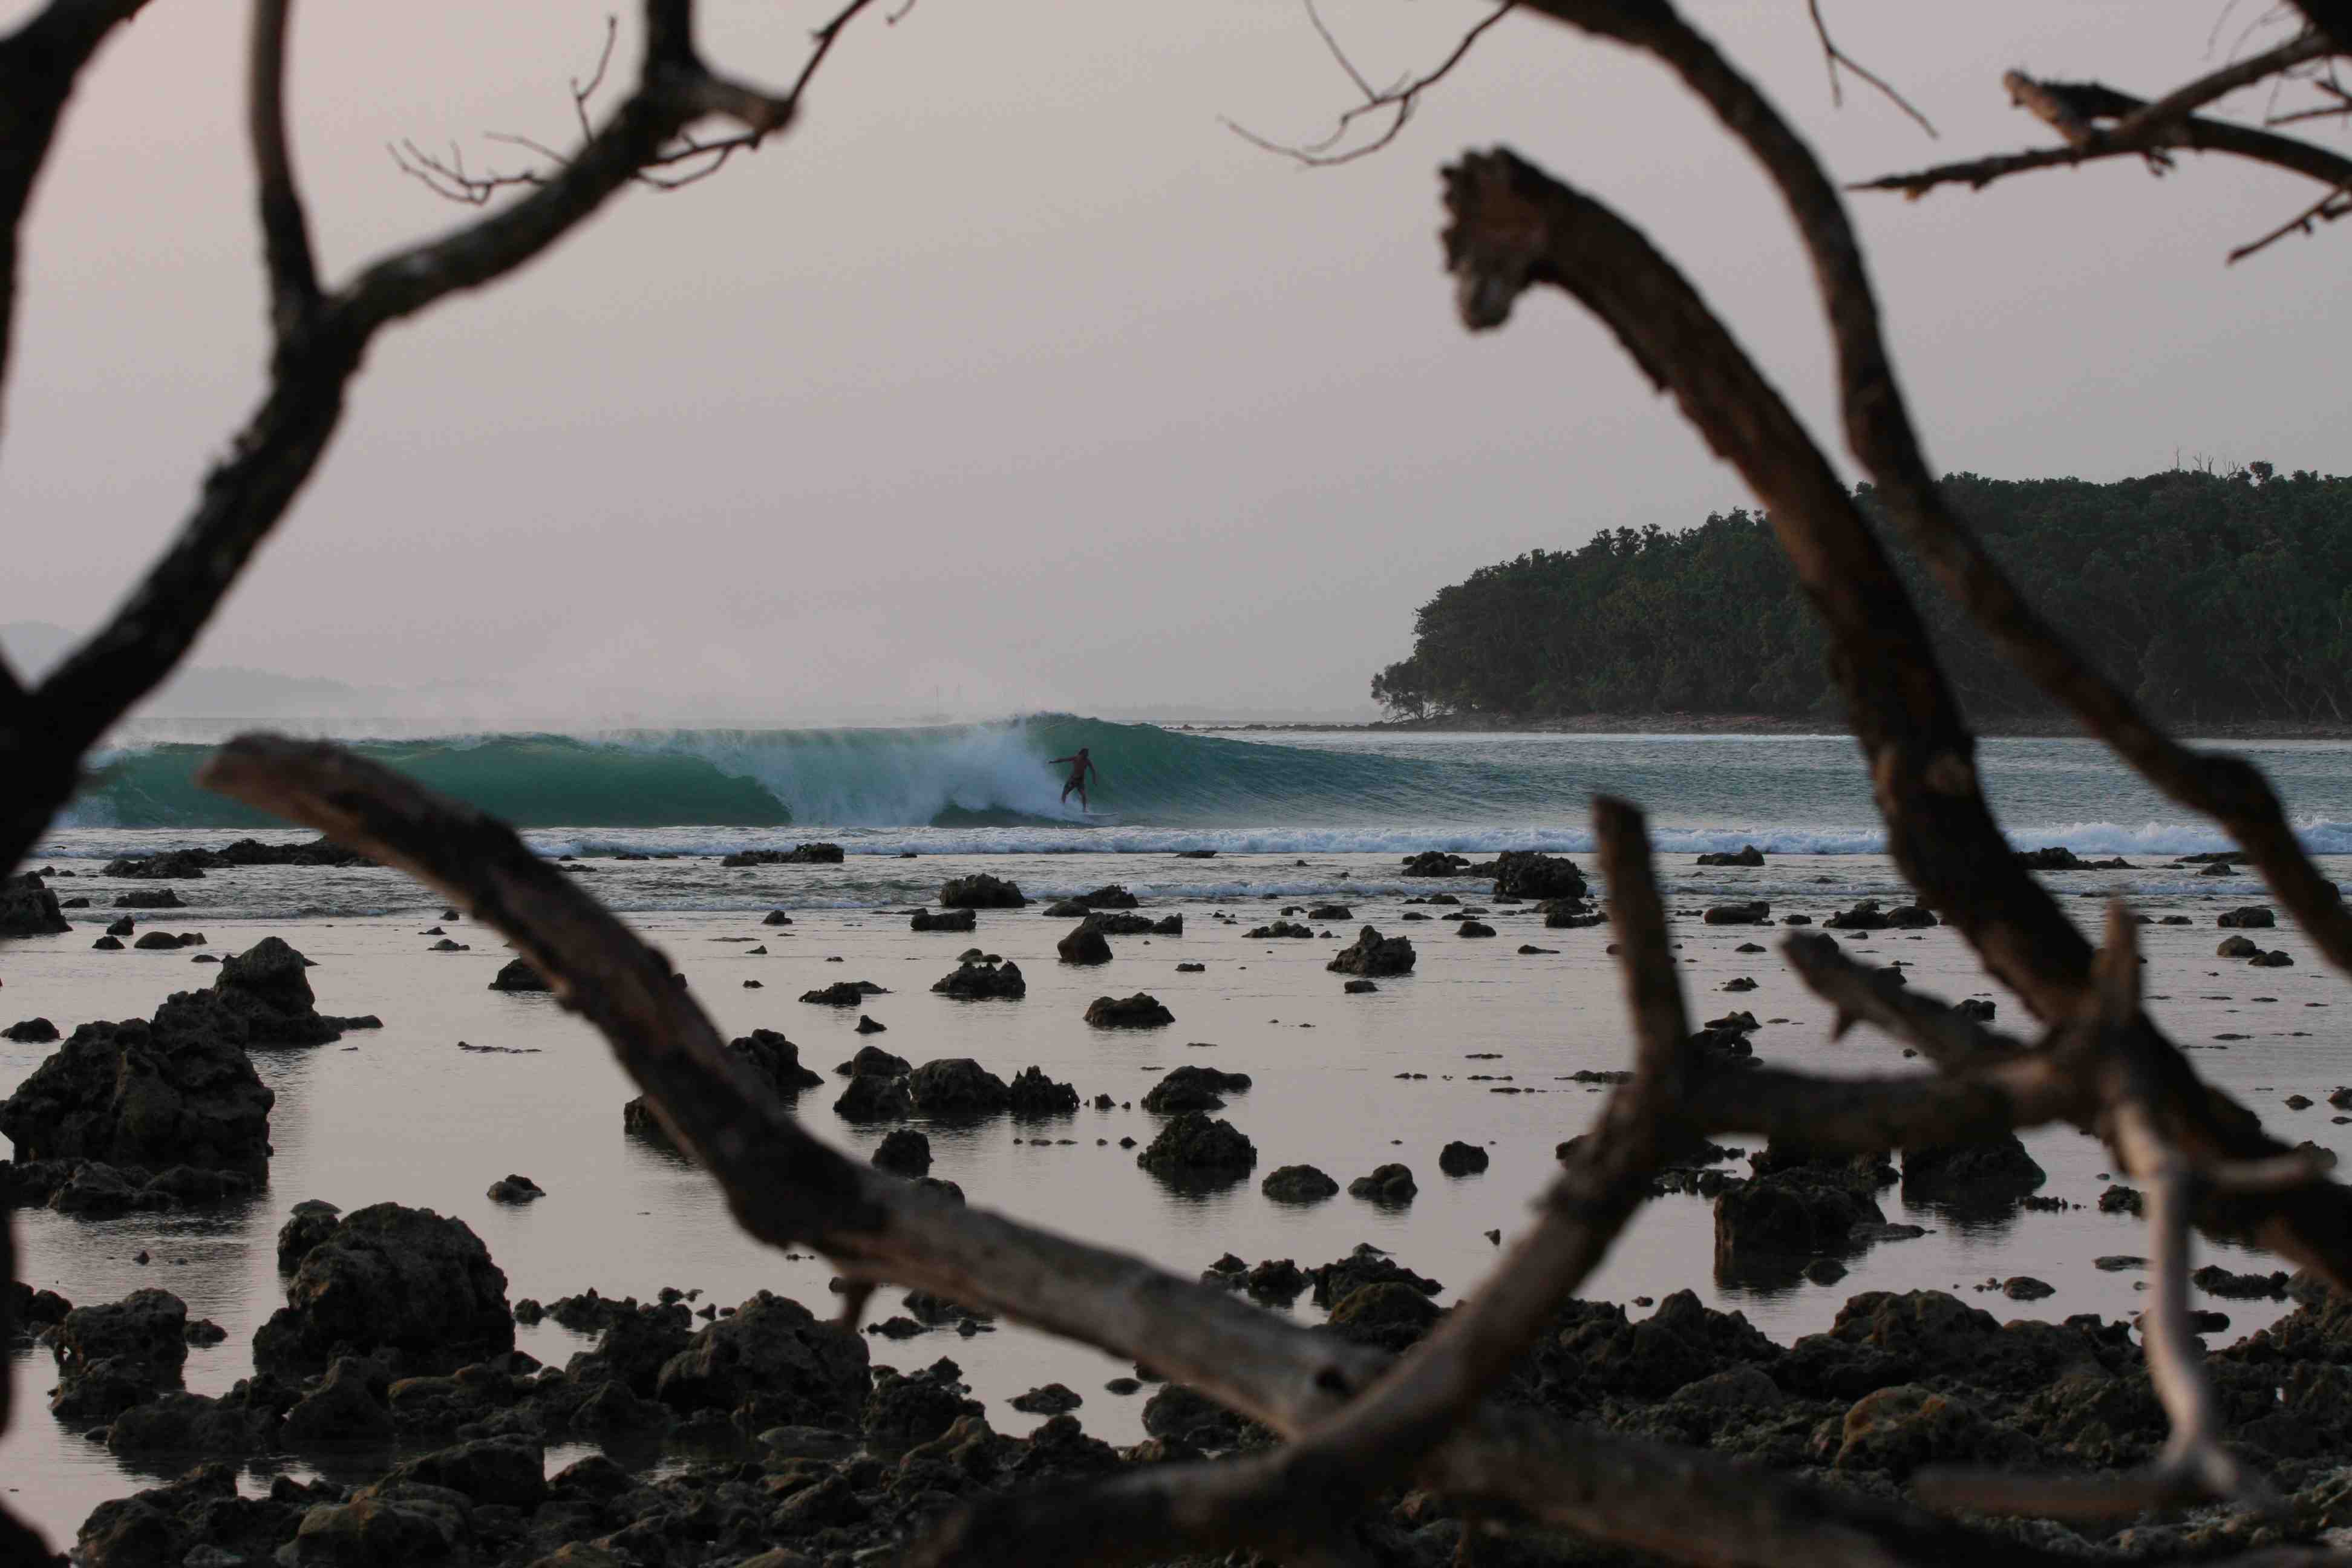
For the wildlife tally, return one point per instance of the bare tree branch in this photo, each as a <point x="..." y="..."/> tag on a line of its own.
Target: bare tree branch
<point x="1399" y="101"/>
<point x="1515" y="226"/>
<point x="2149" y="130"/>
<point x="1833" y="56"/>
<point x="273" y="456"/>
<point x="285" y="230"/>
<point x="1949" y="1038"/>
<point x="692" y="158"/>
<point x="1878" y="427"/>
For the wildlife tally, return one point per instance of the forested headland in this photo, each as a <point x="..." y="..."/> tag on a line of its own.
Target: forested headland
<point x="2216" y="597"/>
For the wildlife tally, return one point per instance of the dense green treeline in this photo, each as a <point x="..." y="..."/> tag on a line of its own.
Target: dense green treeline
<point x="2214" y="598"/>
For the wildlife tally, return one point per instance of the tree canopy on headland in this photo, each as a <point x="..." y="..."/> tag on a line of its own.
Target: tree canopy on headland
<point x="2213" y="597"/>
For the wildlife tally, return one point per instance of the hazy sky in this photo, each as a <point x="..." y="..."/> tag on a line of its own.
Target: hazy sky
<point x="1011" y="380"/>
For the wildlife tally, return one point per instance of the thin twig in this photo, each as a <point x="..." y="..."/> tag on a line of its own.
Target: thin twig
<point x="1400" y="99"/>
<point x="1833" y="56"/>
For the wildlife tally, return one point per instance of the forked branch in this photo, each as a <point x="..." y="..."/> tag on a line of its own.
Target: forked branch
<point x="1397" y="102"/>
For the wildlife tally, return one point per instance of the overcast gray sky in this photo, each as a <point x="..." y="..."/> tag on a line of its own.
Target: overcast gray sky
<point x="1011" y="380"/>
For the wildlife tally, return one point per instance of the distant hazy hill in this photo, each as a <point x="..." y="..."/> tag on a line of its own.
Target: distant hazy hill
<point x="206" y="691"/>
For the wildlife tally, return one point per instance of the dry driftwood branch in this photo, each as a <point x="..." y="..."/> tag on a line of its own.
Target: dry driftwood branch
<point x="1398" y="101"/>
<point x="1878" y="427"/>
<point x="320" y="348"/>
<point x="1515" y="226"/>
<point x="1689" y="1504"/>
<point x="1865" y="994"/>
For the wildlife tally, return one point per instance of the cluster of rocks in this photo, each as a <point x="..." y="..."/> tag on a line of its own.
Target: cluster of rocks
<point x="1517" y="873"/>
<point x="803" y="854"/>
<point x="167" y="1112"/>
<point x="1746" y="855"/>
<point x="2057" y="857"/>
<point x="981" y="891"/>
<point x="1141" y="1011"/>
<point x="1870" y="915"/>
<point x="28" y="907"/>
<point x="981" y="976"/>
<point x="1113" y="896"/>
<point x="184" y="864"/>
<point x="887" y="1088"/>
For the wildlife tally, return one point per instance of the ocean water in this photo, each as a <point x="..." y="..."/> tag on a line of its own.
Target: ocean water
<point x="401" y="1113"/>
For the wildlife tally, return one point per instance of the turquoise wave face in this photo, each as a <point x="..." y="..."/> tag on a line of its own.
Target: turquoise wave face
<point x="951" y="776"/>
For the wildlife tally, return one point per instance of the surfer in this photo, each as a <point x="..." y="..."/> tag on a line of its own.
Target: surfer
<point x="1080" y="766"/>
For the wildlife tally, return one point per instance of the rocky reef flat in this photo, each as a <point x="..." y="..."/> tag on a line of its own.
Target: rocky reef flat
<point x="337" y="1250"/>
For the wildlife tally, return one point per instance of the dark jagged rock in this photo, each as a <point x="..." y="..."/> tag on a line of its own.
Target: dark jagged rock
<point x="1789" y="1216"/>
<point x="2216" y="1281"/>
<point x="1459" y="1159"/>
<point x="1336" y="1280"/>
<point x="1052" y="1399"/>
<point x="30" y="1032"/>
<point x="1390" y="1316"/>
<point x="956" y="1089"/>
<point x="107" y="944"/>
<point x="1390" y="1184"/>
<point x="904" y="1150"/>
<point x="844" y="993"/>
<point x="1280" y="929"/>
<point x="1084" y="944"/>
<point x="981" y="891"/>
<point x="873" y="1061"/>
<point x="982" y="982"/>
<point x="771" y="1363"/>
<point x="1531" y="874"/>
<point x="1435" y="863"/>
<point x="908" y="1410"/>
<point x="1126" y="922"/>
<point x="116" y="1354"/>
<point x="197" y="1514"/>
<point x="389" y="1278"/>
<point x="178" y="1091"/>
<point x="1032" y="1094"/>
<point x="2238" y="947"/>
<point x="2254" y="917"/>
<point x="1111" y="896"/>
<point x="1870" y="915"/>
<point x="1299" y="1185"/>
<point x="28" y="907"/>
<point x="1178" y="1413"/>
<point x="2054" y="857"/>
<point x="867" y="1025"/>
<point x="165" y="865"/>
<point x="149" y="898"/>
<point x="1141" y="1011"/>
<point x="804" y="855"/>
<point x="872" y="1097"/>
<point x="514" y="1189"/>
<point x="1746" y="855"/>
<point x="1167" y="925"/>
<point x="2273" y="960"/>
<point x="1473" y="928"/>
<point x="518" y="975"/>
<point x="1972" y="1176"/>
<point x="311" y="1222"/>
<point x="1191" y="1087"/>
<point x="1360" y="987"/>
<point x="958" y="919"/>
<point x="1753" y="913"/>
<point x="348" y="1406"/>
<point x="1193" y="1147"/>
<point x="776" y="917"/>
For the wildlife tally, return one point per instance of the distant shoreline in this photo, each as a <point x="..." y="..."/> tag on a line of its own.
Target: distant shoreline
<point x="1759" y="724"/>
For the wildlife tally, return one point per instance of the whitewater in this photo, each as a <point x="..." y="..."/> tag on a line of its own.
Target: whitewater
<point x="988" y="789"/>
